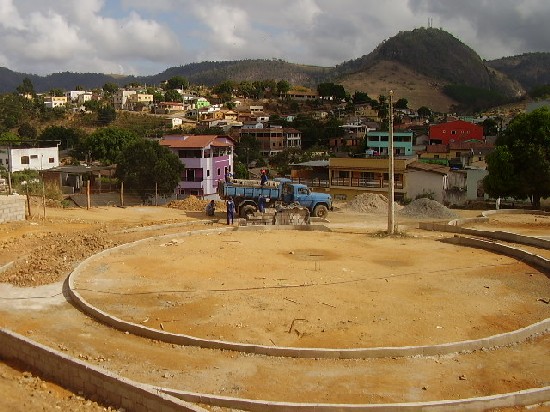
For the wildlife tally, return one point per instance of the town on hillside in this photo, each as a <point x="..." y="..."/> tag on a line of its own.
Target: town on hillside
<point x="327" y="139"/>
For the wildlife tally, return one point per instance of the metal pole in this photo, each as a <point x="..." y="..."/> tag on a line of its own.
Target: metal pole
<point x="391" y="189"/>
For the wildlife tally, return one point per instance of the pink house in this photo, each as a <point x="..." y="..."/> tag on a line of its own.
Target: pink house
<point x="207" y="159"/>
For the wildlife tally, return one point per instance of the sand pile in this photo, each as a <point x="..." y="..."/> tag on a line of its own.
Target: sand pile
<point x="427" y="209"/>
<point x="194" y="204"/>
<point x="368" y="203"/>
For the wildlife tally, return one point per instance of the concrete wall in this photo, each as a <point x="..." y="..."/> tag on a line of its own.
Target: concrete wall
<point x="12" y="208"/>
<point x="95" y="383"/>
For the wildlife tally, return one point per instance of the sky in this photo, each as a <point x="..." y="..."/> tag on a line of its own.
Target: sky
<point x="144" y="37"/>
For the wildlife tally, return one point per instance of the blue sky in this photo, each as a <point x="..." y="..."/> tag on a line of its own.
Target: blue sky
<point x="144" y="37"/>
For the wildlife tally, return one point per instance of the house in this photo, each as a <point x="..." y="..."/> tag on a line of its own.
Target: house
<point x="354" y="138"/>
<point x="139" y="101"/>
<point x="301" y="95"/>
<point x="313" y="173"/>
<point x="377" y="141"/>
<point x="274" y="139"/>
<point x="458" y="155"/>
<point x="52" y="102"/>
<point x="120" y="98"/>
<point x="174" y="122"/>
<point x="425" y="178"/>
<point x="34" y="158"/>
<point x="72" y="96"/>
<point x="72" y="179"/>
<point x="207" y="158"/>
<point x="454" y="132"/>
<point x="352" y="176"/>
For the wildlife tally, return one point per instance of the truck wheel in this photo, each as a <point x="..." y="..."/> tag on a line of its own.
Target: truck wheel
<point x="320" y="211"/>
<point x="247" y="211"/>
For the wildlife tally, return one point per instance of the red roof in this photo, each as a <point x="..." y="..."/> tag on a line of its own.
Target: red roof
<point x="196" y="141"/>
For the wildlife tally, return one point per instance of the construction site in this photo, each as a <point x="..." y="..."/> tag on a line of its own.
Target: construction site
<point x="166" y="309"/>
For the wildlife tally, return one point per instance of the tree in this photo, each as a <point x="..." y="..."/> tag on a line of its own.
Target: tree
<point x="56" y="92"/>
<point x="282" y="87"/>
<point x="110" y="88"/>
<point x="26" y="87"/>
<point x="172" y="96"/>
<point x="248" y="149"/>
<point x="27" y="132"/>
<point x="176" y="82"/>
<point x="424" y="112"/>
<point x="361" y="97"/>
<point x="144" y="164"/>
<point x="105" y="144"/>
<point x="106" y="115"/>
<point x="402" y="104"/>
<point x="67" y="137"/>
<point x="520" y="165"/>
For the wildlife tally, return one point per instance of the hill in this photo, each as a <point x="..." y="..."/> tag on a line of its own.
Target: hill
<point x="427" y="66"/>
<point x="418" y="64"/>
<point x="530" y="69"/>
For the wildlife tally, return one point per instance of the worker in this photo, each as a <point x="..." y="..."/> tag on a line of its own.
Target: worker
<point x="230" y="205"/>
<point x="210" y="208"/>
<point x="261" y="203"/>
<point x="228" y="176"/>
<point x="263" y="178"/>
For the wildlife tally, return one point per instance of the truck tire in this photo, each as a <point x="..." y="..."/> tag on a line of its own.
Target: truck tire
<point x="320" y="211"/>
<point x="247" y="211"/>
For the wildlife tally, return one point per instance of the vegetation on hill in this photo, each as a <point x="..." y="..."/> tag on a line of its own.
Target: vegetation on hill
<point x="529" y="69"/>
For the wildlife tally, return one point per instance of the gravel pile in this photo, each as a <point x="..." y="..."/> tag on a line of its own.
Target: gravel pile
<point x="369" y="203"/>
<point x="427" y="209"/>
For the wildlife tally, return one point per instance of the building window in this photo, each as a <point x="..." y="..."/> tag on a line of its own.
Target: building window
<point x="219" y="172"/>
<point x="51" y="160"/>
<point x="453" y="131"/>
<point x="25" y="160"/>
<point x="436" y="156"/>
<point x="34" y="156"/>
<point x="208" y="173"/>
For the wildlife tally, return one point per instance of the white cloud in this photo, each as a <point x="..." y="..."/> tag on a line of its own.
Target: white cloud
<point x="146" y="37"/>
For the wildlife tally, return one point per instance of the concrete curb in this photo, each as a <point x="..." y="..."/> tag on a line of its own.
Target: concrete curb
<point x="337" y="353"/>
<point x="520" y="398"/>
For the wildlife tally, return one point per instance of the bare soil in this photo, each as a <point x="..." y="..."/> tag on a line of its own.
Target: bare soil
<point x="352" y="287"/>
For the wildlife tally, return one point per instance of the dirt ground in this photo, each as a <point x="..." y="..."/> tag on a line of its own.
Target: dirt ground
<point x="346" y="288"/>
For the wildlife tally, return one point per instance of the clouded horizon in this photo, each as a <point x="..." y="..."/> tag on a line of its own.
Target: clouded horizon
<point x="144" y="37"/>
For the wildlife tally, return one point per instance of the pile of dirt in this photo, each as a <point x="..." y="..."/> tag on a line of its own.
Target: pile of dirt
<point x="427" y="209"/>
<point x="193" y="204"/>
<point x="369" y="203"/>
<point x="53" y="257"/>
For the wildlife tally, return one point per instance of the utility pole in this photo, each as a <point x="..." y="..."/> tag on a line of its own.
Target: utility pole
<point x="391" y="189"/>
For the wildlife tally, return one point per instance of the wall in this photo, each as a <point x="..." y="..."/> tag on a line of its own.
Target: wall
<point x="12" y="208"/>
<point x="95" y="383"/>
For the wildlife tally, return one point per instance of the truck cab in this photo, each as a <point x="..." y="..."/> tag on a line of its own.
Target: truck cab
<point x="318" y="203"/>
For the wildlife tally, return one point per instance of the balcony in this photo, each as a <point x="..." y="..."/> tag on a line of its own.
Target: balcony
<point x="363" y="183"/>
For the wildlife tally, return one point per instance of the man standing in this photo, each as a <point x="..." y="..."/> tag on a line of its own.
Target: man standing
<point x="230" y="210"/>
<point x="261" y="203"/>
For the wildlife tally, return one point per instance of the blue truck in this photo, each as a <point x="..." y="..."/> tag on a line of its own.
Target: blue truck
<point x="245" y="194"/>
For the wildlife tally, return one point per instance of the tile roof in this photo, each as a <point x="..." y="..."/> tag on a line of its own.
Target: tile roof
<point x="429" y="167"/>
<point x="196" y="141"/>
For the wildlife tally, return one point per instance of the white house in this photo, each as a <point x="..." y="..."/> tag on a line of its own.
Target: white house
<point x="52" y="102"/>
<point x="426" y="178"/>
<point x="34" y="158"/>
